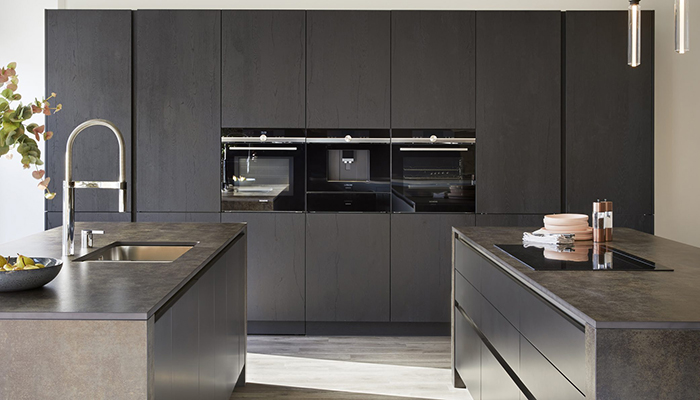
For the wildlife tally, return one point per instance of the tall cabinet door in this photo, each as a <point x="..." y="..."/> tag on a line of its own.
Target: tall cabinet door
<point x="88" y="66"/>
<point x="276" y="260"/>
<point x="433" y="64"/>
<point x="178" y="123"/>
<point x="421" y="265"/>
<point x="348" y="68"/>
<point x="518" y="112"/>
<point x="347" y="267"/>
<point x="609" y="117"/>
<point x="263" y="69"/>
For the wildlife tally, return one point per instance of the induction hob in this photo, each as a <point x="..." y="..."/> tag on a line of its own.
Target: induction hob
<point x="580" y="257"/>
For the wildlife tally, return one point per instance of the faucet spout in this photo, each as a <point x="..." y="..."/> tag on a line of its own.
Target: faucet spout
<point x="69" y="185"/>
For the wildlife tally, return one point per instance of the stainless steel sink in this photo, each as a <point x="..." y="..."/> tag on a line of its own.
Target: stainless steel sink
<point x="139" y="252"/>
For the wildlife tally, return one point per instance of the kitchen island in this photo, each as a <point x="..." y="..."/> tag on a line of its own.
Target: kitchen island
<point x="575" y="334"/>
<point x="129" y="330"/>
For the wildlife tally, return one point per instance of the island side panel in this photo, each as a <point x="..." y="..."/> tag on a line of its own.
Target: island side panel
<point x="73" y="359"/>
<point x="647" y="364"/>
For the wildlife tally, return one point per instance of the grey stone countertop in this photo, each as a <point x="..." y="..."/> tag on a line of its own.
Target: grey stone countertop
<point x="610" y="299"/>
<point x="113" y="290"/>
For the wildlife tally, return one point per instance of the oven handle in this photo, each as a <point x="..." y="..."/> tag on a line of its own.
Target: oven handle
<point x="268" y="139"/>
<point x="264" y="148"/>
<point x="434" y="140"/>
<point x="432" y="149"/>
<point x="348" y="140"/>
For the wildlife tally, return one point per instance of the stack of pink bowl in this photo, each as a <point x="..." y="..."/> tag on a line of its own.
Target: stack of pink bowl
<point x="576" y="224"/>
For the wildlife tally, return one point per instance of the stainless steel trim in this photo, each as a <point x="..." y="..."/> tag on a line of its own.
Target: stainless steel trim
<point x="432" y="149"/>
<point x="438" y="140"/>
<point x="344" y="140"/>
<point x="268" y="140"/>
<point x="264" y="148"/>
<point x="97" y="185"/>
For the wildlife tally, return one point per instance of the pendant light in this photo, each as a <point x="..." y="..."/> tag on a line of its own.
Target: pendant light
<point x="682" y="32"/>
<point x="634" y="34"/>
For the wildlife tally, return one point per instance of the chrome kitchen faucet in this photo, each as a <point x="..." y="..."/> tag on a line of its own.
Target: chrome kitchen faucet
<point x="69" y="185"/>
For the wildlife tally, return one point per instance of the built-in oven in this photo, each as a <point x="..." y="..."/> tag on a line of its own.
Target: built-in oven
<point x="433" y="171"/>
<point x="262" y="169"/>
<point x="348" y="170"/>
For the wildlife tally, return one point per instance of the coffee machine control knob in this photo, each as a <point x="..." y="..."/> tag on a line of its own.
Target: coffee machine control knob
<point x="348" y="138"/>
<point x="433" y="139"/>
<point x="263" y="138"/>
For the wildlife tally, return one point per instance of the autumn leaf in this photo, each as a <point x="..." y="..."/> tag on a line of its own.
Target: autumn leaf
<point x="44" y="184"/>
<point x="48" y="135"/>
<point x="38" y="174"/>
<point x="36" y="109"/>
<point x="49" y="196"/>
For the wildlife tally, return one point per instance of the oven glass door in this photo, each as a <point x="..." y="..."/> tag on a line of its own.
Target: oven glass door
<point x="433" y="177"/>
<point x="263" y="177"/>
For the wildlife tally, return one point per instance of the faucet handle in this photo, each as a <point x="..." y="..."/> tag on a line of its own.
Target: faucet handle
<point x="86" y="237"/>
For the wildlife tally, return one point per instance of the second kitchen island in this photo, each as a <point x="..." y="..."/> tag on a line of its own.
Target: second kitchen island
<point x="574" y="334"/>
<point x="129" y="329"/>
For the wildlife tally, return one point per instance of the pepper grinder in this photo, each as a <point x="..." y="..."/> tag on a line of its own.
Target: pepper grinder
<point x="608" y="220"/>
<point x="599" y="209"/>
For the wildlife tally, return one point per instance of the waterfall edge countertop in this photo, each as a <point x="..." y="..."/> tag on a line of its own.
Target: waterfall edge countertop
<point x="113" y="290"/>
<point x="610" y="299"/>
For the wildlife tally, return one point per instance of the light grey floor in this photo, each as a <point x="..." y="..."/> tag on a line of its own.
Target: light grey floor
<point x="353" y="368"/>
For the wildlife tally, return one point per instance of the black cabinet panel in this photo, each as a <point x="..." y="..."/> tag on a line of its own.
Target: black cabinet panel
<point x="526" y="220"/>
<point x="347" y="75"/>
<point x="185" y="337"/>
<point x="518" y="112"/>
<point x="276" y="261"/>
<point x="560" y="339"/>
<point x="163" y="356"/>
<point x="496" y="384"/>
<point x="541" y="378"/>
<point x="502" y="335"/>
<point x="178" y="123"/>
<point x="178" y="217"/>
<point x="208" y="368"/>
<point x="433" y="66"/>
<point x="421" y="259"/>
<point x="468" y="348"/>
<point x="609" y="116"/>
<point x="263" y="69"/>
<point x="55" y="219"/>
<point x="88" y="66"/>
<point x="468" y="263"/>
<point x="347" y="267"/>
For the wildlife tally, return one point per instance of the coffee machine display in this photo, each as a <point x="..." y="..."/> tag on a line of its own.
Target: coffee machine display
<point x="348" y="170"/>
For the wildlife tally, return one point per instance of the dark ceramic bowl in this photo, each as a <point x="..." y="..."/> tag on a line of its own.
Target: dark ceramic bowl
<point x="12" y="281"/>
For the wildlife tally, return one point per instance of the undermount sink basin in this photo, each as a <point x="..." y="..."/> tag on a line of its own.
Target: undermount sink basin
<point x="140" y="252"/>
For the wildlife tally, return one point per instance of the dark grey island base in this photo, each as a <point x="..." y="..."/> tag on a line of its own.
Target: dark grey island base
<point x="519" y="333"/>
<point x="136" y="330"/>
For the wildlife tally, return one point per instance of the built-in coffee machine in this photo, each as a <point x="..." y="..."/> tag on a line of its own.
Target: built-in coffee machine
<point x="348" y="170"/>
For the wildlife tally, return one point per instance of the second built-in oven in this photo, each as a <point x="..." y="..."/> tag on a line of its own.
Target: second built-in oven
<point x="348" y="170"/>
<point x="262" y="170"/>
<point x="433" y="171"/>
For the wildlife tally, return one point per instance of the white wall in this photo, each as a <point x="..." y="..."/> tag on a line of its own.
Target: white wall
<point x="677" y="85"/>
<point x="21" y="202"/>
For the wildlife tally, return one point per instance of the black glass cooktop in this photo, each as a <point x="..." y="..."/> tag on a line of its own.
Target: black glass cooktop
<point x="579" y="258"/>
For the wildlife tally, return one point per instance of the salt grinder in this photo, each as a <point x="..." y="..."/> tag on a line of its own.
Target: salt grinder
<point x="608" y="220"/>
<point x="599" y="221"/>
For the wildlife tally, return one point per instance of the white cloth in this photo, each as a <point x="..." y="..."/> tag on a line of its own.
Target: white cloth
<point x="547" y="238"/>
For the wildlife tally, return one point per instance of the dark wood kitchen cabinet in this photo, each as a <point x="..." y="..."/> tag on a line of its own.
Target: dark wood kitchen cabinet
<point x="178" y="110"/>
<point x="609" y="117"/>
<point x="433" y="65"/>
<point x="88" y="66"/>
<point x="529" y="220"/>
<point x="348" y="69"/>
<point x="276" y="270"/>
<point x="55" y="219"/>
<point x="347" y="267"/>
<point x="177" y="217"/>
<point x="421" y="259"/>
<point x="518" y="112"/>
<point x="200" y="338"/>
<point x="263" y="69"/>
